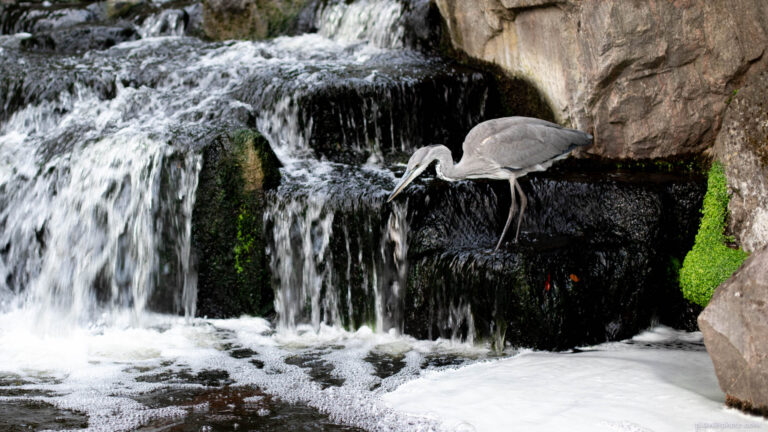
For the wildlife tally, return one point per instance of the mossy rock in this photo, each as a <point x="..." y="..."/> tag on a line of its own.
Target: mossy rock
<point x="711" y="261"/>
<point x="250" y="19"/>
<point x="227" y="226"/>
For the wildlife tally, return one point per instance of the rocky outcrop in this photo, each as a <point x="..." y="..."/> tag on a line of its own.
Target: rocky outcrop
<point x="596" y="259"/>
<point x="742" y="147"/>
<point x="648" y="79"/>
<point x="227" y="231"/>
<point x="735" y="328"/>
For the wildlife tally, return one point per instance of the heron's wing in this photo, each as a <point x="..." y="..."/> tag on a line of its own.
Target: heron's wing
<point x="493" y="127"/>
<point x="521" y="145"/>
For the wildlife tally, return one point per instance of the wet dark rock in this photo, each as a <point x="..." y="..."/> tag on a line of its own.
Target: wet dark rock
<point x="386" y="365"/>
<point x="63" y="25"/>
<point x="28" y="78"/>
<point x="596" y="259"/>
<point x="385" y="108"/>
<point x="345" y="117"/>
<point x="735" y="329"/>
<point x="235" y="408"/>
<point x="25" y="415"/>
<point x="318" y="369"/>
<point x="227" y="236"/>
<point x="423" y="25"/>
<point x="34" y="17"/>
<point x="79" y="39"/>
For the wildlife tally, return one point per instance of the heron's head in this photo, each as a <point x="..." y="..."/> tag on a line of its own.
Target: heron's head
<point x="418" y="162"/>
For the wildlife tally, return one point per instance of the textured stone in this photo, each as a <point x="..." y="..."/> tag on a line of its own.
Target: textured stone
<point x="227" y="236"/>
<point x="742" y="147"/>
<point x="648" y="79"/>
<point x="735" y="328"/>
<point x="250" y="19"/>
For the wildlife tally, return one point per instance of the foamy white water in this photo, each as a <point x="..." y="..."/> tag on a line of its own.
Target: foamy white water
<point x="105" y="373"/>
<point x="661" y="380"/>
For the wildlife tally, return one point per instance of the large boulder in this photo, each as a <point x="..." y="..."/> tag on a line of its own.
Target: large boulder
<point x="742" y="147"/>
<point x="735" y="328"/>
<point x="648" y="79"/>
<point x="596" y="260"/>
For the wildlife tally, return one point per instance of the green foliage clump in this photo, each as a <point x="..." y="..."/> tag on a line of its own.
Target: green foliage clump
<point x="246" y="237"/>
<point x="711" y="261"/>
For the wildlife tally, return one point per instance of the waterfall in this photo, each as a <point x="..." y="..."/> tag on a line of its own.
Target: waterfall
<point x="337" y="260"/>
<point x="91" y="227"/>
<point x="98" y="168"/>
<point x="169" y="22"/>
<point x="377" y="22"/>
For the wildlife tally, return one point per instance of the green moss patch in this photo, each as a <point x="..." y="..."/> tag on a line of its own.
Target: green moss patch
<point x="711" y="261"/>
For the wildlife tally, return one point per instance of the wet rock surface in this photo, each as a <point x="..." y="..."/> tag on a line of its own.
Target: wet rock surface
<point x="79" y="39"/>
<point x="18" y="416"/>
<point x="78" y="26"/>
<point x="227" y="233"/>
<point x="646" y="79"/>
<point x="597" y="257"/>
<point x="595" y="260"/>
<point x="735" y="332"/>
<point x="742" y="147"/>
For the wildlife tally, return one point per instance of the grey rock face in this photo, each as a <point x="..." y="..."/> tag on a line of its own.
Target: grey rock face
<point x="742" y="147"/>
<point x="735" y="328"/>
<point x="648" y="79"/>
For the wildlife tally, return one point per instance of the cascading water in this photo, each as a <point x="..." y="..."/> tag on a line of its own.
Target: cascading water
<point x="83" y="225"/>
<point x="376" y="22"/>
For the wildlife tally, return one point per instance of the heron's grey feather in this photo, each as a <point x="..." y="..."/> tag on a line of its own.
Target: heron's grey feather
<point x="521" y="143"/>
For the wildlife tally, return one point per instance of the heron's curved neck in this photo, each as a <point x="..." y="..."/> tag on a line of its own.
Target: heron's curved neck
<point x="445" y="168"/>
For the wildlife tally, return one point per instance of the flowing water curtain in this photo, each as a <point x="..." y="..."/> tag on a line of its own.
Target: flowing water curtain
<point x="95" y="223"/>
<point x="378" y="22"/>
<point x="334" y="267"/>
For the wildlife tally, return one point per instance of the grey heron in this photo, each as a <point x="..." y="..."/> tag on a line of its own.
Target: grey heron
<point x="499" y="149"/>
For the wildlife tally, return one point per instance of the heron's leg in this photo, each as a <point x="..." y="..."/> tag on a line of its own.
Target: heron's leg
<point x="523" y="203"/>
<point x="511" y="212"/>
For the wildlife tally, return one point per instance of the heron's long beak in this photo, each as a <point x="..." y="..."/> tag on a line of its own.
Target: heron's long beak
<point x="404" y="181"/>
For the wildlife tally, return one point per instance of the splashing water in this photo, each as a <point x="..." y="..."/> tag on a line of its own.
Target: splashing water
<point x="378" y="22"/>
<point x="334" y="264"/>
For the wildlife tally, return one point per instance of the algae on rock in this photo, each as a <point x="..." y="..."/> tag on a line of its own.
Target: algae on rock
<point x="711" y="261"/>
<point x="227" y="230"/>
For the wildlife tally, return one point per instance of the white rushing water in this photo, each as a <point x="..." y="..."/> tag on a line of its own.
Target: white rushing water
<point x="83" y="222"/>
<point x="317" y="281"/>
<point x="377" y="22"/>
<point x="98" y="192"/>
